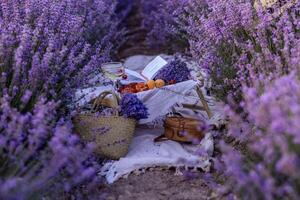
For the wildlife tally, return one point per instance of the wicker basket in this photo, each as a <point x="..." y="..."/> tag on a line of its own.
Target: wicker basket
<point x="112" y="134"/>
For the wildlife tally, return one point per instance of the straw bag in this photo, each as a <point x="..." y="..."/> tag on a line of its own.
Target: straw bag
<point x="112" y="134"/>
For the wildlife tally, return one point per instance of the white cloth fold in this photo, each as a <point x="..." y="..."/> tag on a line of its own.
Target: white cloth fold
<point x="144" y="153"/>
<point x="160" y="101"/>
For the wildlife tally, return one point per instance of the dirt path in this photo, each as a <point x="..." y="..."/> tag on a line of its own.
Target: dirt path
<point x="136" y="35"/>
<point x="158" y="185"/>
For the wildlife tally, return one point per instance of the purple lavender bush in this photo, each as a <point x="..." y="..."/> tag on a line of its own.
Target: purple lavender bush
<point x="164" y="22"/>
<point x="39" y="156"/>
<point x="262" y="50"/>
<point x="176" y="70"/>
<point x="47" y="49"/>
<point x="253" y="56"/>
<point x="132" y="107"/>
<point x="240" y="42"/>
<point x="271" y="134"/>
<point x="53" y="51"/>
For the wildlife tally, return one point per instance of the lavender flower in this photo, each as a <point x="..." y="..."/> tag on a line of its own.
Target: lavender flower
<point x="48" y="49"/>
<point x="132" y="107"/>
<point x="253" y="56"/>
<point x="240" y="43"/>
<point x="271" y="134"/>
<point x="37" y="154"/>
<point x="176" y="70"/>
<point x="163" y="21"/>
<point x="56" y="50"/>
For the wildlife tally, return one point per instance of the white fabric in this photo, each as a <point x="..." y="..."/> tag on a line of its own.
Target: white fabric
<point x="144" y="153"/>
<point x="160" y="101"/>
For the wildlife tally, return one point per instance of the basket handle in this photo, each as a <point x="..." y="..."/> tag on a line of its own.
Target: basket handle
<point x="101" y="97"/>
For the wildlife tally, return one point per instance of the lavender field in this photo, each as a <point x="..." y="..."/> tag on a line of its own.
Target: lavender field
<point x="250" y="50"/>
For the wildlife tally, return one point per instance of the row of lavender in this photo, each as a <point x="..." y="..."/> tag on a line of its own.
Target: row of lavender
<point x="47" y="49"/>
<point x="253" y="55"/>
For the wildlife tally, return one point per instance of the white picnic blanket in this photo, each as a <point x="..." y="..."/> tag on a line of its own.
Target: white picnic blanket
<point x="143" y="152"/>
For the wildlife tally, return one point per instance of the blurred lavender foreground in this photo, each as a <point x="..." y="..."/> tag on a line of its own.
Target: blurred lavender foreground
<point x="47" y="49"/>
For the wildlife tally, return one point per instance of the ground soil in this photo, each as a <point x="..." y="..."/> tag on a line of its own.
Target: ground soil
<point x="158" y="185"/>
